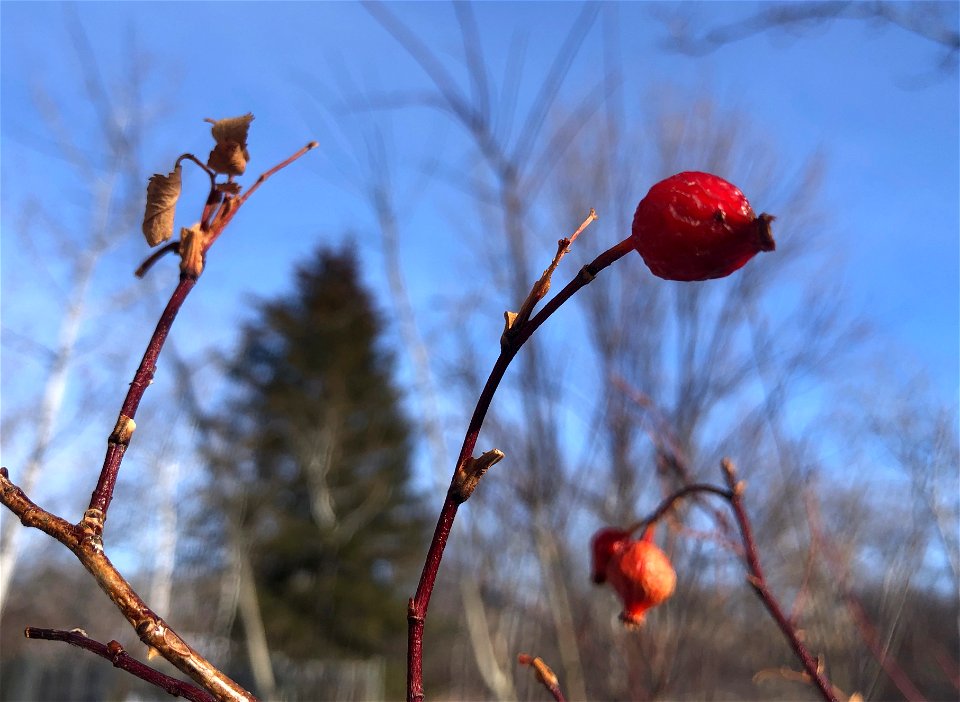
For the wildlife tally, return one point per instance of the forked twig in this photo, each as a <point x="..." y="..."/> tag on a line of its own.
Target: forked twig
<point x="511" y="343"/>
<point x="115" y="653"/>
<point x="120" y="437"/>
<point x="85" y="539"/>
<point x="733" y="494"/>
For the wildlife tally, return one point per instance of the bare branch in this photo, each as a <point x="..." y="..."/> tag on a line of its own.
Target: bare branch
<point x="115" y="653"/>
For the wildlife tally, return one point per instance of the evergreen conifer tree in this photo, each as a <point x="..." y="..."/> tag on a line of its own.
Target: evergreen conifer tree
<point x="317" y="437"/>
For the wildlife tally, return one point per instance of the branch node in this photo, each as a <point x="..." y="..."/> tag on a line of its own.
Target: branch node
<point x="729" y="471"/>
<point x="516" y="320"/>
<point x="192" y="247"/>
<point x="115" y="650"/>
<point x="92" y="525"/>
<point x="412" y="614"/>
<point x="122" y="431"/>
<point x="468" y="475"/>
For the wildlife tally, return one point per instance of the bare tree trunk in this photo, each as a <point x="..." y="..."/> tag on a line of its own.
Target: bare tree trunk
<point x="258" y="650"/>
<point x="487" y="656"/>
<point x="50" y="408"/>
<point x="166" y="529"/>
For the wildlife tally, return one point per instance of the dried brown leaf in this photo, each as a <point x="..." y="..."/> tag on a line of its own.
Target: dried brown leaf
<point x="232" y="129"/>
<point x="163" y="191"/>
<point x="230" y="155"/>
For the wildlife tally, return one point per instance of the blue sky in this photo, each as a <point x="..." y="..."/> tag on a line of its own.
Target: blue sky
<point x="867" y="97"/>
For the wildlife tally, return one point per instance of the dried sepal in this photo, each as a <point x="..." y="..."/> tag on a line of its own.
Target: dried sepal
<point x="191" y="251"/>
<point x="230" y="155"/>
<point x="229" y="188"/>
<point x="163" y="191"/>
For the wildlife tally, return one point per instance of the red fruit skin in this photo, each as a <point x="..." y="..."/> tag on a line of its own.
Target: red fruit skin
<point x="604" y="544"/>
<point x="697" y="226"/>
<point x="643" y="577"/>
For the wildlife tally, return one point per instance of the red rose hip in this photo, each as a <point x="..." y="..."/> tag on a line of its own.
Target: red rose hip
<point x="697" y="226"/>
<point x="643" y="577"/>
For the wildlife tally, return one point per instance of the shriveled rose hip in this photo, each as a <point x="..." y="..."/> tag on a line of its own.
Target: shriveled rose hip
<point x="643" y="577"/>
<point x="697" y="226"/>
<point x="602" y="547"/>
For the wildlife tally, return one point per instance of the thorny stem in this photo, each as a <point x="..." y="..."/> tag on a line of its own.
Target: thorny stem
<point x="511" y="343"/>
<point x="114" y="653"/>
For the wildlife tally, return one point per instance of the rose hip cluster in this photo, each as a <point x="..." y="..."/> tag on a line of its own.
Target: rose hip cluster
<point x="636" y="568"/>
<point x="697" y="226"/>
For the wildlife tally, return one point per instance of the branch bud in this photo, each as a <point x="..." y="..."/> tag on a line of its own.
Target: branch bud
<point x="123" y="430"/>
<point x="468" y="475"/>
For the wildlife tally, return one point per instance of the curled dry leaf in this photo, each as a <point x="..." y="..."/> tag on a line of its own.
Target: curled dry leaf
<point x="230" y="155"/>
<point x="191" y="251"/>
<point x="163" y="191"/>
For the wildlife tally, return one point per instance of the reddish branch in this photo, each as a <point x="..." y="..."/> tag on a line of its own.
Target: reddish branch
<point x="151" y="629"/>
<point x="511" y="342"/>
<point x="734" y="496"/>
<point x="667" y="504"/>
<point x="114" y="653"/>
<point x="759" y="583"/>
<point x="85" y="539"/>
<point x="117" y="442"/>
<point x="120" y="438"/>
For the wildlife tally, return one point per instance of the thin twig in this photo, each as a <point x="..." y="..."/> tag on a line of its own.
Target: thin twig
<point x="734" y="496"/>
<point x="119" y="439"/>
<point x="758" y="581"/>
<point x="545" y="675"/>
<point x="117" y="443"/>
<point x="172" y="247"/>
<point x="115" y="653"/>
<point x="520" y="333"/>
<point x="85" y="539"/>
<point x="667" y="504"/>
<point x="151" y="629"/>
<point x="231" y="205"/>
